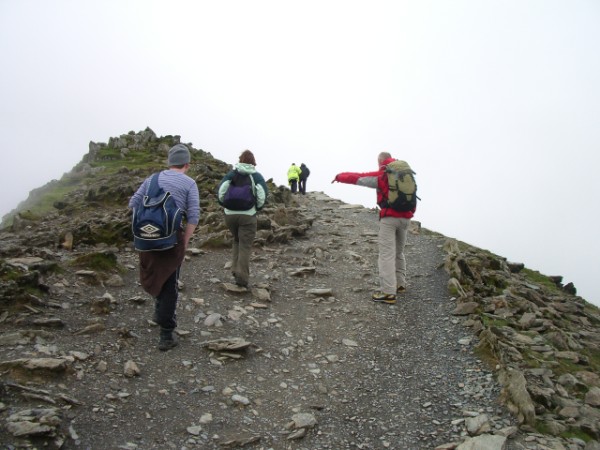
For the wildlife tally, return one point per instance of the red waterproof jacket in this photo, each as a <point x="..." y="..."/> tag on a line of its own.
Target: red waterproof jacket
<point x="376" y="180"/>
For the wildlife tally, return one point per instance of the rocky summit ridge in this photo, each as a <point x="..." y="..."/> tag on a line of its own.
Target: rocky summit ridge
<point x="479" y="353"/>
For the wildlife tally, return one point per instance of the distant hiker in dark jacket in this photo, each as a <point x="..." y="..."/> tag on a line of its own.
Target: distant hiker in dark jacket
<point x="242" y="222"/>
<point x="303" y="176"/>
<point x="159" y="270"/>
<point x="393" y="230"/>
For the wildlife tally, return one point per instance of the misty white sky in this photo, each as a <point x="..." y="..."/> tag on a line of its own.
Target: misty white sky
<point x="495" y="104"/>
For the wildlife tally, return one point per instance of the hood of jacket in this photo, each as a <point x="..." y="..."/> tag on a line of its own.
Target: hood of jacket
<point x="245" y="168"/>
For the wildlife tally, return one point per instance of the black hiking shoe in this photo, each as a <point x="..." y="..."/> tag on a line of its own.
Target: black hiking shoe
<point x="241" y="283"/>
<point x="168" y="340"/>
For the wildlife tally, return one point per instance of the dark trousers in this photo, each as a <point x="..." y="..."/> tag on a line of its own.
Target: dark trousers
<point x="293" y="185"/>
<point x="166" y="303"/>
<point x="302" y="185"/>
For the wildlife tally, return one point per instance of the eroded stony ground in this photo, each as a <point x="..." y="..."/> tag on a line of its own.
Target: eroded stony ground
<point x="310" y="361"/>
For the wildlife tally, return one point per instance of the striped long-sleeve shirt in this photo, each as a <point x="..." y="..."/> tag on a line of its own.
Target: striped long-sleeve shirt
<point x="183" y="189"/>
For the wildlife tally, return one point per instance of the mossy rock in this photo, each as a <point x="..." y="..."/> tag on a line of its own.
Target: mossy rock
<point x="98" y="261"/>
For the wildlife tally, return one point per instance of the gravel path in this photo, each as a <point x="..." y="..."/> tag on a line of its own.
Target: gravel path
<point x="371" y="376"/>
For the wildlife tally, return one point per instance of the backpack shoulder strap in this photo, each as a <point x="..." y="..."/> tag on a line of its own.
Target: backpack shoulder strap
<point x="154" y="188"/>
<point x="235" y="174"/>
<point x="252" y="185"/>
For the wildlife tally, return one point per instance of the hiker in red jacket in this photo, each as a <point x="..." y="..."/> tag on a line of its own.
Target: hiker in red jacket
<point x="393" y="227"/>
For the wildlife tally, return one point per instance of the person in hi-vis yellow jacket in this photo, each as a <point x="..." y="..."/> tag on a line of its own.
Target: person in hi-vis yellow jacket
<point x="293" y="177"/>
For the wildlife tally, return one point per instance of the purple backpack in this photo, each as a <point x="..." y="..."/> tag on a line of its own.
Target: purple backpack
<point x="240" y="195"/>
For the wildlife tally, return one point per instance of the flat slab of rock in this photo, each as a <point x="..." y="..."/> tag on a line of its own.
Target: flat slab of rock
<point x="327" y="292"/>
<point x="262" y="294"/>
<point x="52" y="364"/>
<point x="26" y="261"/>
<point x="302" y="271"/>
<point x="226" y="344"/>
<point x="230" y="287"/>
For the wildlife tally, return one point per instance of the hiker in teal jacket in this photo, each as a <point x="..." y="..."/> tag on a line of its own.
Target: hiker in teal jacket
<point x="243" y="223"/>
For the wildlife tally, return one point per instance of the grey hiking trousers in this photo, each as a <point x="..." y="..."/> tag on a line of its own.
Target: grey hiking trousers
<point x="243" y="228"/>
<point x="391" y="262"/>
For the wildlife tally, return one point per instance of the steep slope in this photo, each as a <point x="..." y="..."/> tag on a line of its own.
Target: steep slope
<point x="302" y="360"/>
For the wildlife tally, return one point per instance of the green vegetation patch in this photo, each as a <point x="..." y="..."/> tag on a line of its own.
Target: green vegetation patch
<point x="453" y="289"/>
<point x="593" y="355"/>
<point x="9" y="273"/>
<point x="593" y="313"/>
<point x="99" y="261"/>
<point x="576" y="434"/>
<point x="565" y="366"/>
<point x="17" y="286"/>
<point x="30" y="215"/>
<point x="112" y="160"/>
<point x="532" y="359"/>
<point x="536" y="277"/>
<point x="44" y="203"/>
<point x="542" y="427"/>
<point x="428" y="232"/>
<point x="494" y="321"/>
<point x="487" y="355"/>
<point x="118" y="233"/>
<point x="592" y="364"/>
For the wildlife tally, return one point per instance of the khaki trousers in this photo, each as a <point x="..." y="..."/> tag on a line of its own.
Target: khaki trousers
<point x="391" y="262"/>
<point x="243" y="228"/>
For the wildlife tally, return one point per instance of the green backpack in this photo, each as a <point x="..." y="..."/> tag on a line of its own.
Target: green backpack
<point x="401" y="187"/>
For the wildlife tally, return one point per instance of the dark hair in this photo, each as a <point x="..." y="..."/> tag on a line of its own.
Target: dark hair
<point x="247" y="157"/>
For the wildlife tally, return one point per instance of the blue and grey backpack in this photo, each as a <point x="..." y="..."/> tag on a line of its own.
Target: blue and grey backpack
<point x="156" y="222"/>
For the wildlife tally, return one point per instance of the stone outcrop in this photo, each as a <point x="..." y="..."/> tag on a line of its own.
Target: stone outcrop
<point x="544" y="340"/>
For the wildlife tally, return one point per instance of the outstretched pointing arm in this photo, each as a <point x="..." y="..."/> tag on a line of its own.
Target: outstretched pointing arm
<point x="368" y="179"/>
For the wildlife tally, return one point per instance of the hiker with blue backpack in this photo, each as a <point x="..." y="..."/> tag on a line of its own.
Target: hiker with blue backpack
<point x="397" y="198"/>
<point x="242" y="192"/>
<point x="166" y="211"/>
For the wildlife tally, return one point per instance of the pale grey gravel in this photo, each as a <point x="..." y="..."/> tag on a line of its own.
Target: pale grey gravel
<point x="407" y="384"/>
